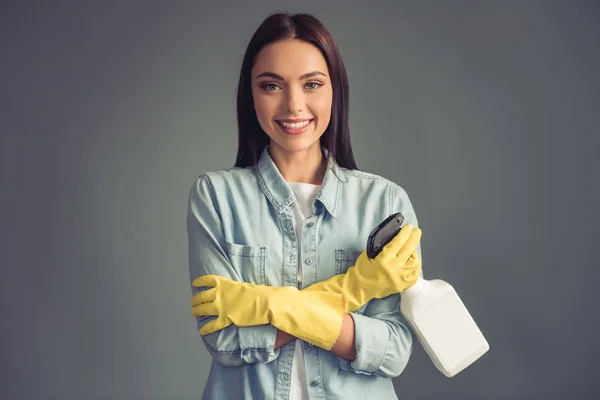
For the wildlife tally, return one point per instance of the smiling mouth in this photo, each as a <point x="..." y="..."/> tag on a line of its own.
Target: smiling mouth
<point x="294" y="128"/>
<point x="294" y="125"/>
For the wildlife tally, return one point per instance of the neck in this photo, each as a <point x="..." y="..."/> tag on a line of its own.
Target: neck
<point x="306" y="166"/>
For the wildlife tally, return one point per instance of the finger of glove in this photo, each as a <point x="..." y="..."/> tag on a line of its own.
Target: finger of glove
<point x="394" y="246"/>
<point x="207" y="281"/>
<point x="205" y="296"/>
<point x="412" y="275"/>
<point x="412" y="269"/>
<point x="205" y="310"/>
<point x="414" y="258"/>
<point x="410" y="246"/>
<point x="215" y="325"/>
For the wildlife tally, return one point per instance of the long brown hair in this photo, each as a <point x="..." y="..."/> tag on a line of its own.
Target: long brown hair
<point x="281" y="26"/>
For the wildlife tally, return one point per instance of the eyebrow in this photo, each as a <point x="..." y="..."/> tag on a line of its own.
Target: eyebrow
<point x="275" y="76"/>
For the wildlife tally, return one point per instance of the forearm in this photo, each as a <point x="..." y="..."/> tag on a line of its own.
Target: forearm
<point x="283" y="338"/>
<point x="345" y="347"/>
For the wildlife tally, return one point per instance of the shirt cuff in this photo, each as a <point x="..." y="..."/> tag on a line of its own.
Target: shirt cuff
<point x="371" y="338"/>
<point x="257" y="343"/>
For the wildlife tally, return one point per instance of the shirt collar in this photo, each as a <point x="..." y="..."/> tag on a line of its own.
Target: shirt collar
<point x="282" y="196"/>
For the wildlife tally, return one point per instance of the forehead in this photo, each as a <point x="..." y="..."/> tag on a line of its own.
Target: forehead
<point x="289" y="58"/>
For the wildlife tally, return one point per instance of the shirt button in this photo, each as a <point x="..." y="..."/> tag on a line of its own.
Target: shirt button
<point x="311" y="345"/>
<point x="308" y="261"/>
<point x="314" y="383"/>
<point x="310" y="224"/>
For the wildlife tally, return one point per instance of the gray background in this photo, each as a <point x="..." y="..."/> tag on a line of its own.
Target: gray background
<point x="485" y="112"/>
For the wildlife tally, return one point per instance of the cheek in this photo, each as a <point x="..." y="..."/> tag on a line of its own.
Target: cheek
<point x="322" y="107"/>
<point x="264" y="103"/>
<point x="261" y="114"/>
<point x="263" y="108"/>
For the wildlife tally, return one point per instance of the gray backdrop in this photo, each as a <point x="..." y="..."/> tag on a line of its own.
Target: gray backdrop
<point x="486" y="112"/>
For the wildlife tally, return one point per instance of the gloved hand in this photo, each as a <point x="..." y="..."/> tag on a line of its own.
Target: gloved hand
<point x="396" y="268"/>
<point x="314" y="316"/>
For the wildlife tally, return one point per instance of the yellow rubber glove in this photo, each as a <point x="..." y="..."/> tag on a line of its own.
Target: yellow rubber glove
<point x="396" y="268"/>
<point x="315" y="317"/>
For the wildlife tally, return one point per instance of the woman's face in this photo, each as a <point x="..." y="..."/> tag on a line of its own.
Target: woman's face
<point x="290" y="81"/>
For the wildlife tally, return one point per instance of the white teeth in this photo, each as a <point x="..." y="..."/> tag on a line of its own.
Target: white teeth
<point x="294" y="125"/>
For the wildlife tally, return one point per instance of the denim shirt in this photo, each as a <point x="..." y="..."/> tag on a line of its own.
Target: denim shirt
<point x="239" y="225"/>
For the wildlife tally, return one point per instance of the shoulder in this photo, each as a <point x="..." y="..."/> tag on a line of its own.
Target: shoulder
<point x="380" y="192"/>
<point x="211" y="183"/>
<point x="222" y="176"/>
<point x="362" y="178"/>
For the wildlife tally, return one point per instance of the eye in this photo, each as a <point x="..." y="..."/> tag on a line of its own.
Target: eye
<point x="270" y="87"/>
<point x="318" y="85"/>
<point x="267" y="85"/>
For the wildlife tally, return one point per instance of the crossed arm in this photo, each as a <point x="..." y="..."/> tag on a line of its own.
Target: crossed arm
<point x="377" y="342"/>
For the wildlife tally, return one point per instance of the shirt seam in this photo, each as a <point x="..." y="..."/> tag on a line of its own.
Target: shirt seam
<point x="212" y="193"/>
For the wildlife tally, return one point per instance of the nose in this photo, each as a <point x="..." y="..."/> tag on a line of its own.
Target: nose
<point x="294" y="100"/>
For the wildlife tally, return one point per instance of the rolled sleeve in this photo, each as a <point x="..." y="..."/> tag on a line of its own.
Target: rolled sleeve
<point x="371" y="338"/>
<point x="234" y="346"/>
<point x="258" y="343"/>
<point x="383" y="340"/>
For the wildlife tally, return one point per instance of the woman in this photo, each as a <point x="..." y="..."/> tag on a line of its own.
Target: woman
<point x="288" y="304"/>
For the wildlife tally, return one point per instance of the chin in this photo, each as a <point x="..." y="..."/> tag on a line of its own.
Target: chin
<point x="293" y="146"/>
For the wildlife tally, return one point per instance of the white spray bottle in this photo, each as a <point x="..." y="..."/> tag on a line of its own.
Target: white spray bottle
<point x="435" y="312"/>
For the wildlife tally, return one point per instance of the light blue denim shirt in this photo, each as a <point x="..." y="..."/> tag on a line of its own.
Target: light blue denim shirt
<point x="240" y="226"/>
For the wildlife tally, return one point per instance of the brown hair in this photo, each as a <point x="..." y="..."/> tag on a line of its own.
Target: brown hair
<point x="281" y="26"/>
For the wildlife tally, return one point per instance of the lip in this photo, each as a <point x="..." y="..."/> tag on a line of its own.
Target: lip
<point x="297" y="131"/>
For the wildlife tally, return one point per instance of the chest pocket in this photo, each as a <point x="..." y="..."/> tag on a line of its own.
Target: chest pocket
<point x="344" y="259"/>
<point x="248" y="261"/>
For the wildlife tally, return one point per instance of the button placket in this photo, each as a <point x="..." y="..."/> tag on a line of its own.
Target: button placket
<point x="308" y="261"/>
<point x="284" y="376"/>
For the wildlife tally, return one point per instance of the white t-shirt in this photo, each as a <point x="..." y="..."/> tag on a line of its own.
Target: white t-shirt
<point x="305" y="194"/>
